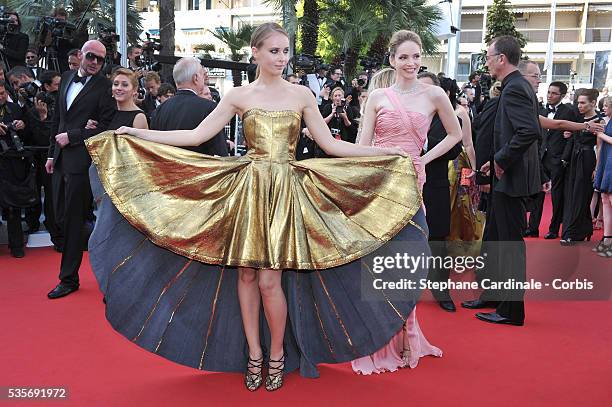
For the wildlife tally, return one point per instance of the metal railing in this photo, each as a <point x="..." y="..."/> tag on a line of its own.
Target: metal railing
<point x="541" y="35"/>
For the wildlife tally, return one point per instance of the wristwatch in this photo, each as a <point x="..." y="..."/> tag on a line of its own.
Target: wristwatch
<point x="587" y="126"/>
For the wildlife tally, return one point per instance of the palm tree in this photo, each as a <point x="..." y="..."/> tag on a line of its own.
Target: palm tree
<point x="351" y="25"/>
<point x="309" y="23"/>
<point x="102" y="12"/>
<point x="414" y="15"/>
<point x="235" y="41"/>
<point x="166" y="32"/>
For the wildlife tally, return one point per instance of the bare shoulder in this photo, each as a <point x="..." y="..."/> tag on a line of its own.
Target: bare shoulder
<point x="434" y="91"/>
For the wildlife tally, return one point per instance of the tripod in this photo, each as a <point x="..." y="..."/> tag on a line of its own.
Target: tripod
<point x="7" y="67"/>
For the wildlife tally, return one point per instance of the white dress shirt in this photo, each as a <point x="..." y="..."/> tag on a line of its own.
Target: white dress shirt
<point x="73" y="90"/>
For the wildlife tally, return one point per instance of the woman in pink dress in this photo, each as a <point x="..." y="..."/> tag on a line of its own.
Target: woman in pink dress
<point x="400" y="116"/>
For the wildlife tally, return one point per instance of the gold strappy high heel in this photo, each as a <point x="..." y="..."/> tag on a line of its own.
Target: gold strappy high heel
<point x="274" y="380"/>
<point x="253" y="380"/>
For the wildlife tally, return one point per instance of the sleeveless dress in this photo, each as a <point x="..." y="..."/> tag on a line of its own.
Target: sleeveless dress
<point x="603" y="176"/>
<point x="173" y="225"/>
<point x="407" y="130"/>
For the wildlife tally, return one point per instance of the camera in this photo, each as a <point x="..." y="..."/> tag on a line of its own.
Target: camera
<point x="13" y="137"/>
<point x="147" y="60"/>
<point x="108" y="37"/>
<point x="370" y="63"/>
<point x="7" y="26"/>
<point x="48" y="99"/>
<point x="306" y="62"/>
<point x="29" y="89"/>
<point x="49" y="29"/>
<point x="340" y="108"/>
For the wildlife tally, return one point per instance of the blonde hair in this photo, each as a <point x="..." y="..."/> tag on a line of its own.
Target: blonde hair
<point x="400" y="37"/>
<point x="262" y="32"/>
<point x="336" y="89"/>
<point x="495" y="90"/>
<point x="381" y="79"/>
<point x="126" y="72"/>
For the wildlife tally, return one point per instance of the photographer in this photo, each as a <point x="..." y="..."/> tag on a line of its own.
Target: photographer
<point x="74" y="59"/>
<point x="39" y="123"/>
<point x="14" y="43"/>
<point x="149" y="103"/>
<point x="358" y="85"/>
<point x="31" y="60"/>
<point x="134" y="52"/>
<point x="14" y="171"/>
<point x="340" y="117"/>
<point x="65" y="45"/>
<point x="23" y="84"/>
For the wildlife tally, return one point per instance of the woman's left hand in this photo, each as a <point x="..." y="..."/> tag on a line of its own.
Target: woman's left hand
<point x="393" y="151"/>
<point x="126" y="130"/>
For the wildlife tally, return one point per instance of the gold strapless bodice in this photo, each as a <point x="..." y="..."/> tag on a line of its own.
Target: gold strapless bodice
<point x="262" y="210"/>
<point x="271" y="135"/>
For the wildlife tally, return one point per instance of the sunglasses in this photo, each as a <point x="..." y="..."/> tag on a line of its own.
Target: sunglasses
<point x="91" y="56"/>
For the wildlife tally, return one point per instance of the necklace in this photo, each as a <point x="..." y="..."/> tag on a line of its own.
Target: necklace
<point x="401" y="91"/>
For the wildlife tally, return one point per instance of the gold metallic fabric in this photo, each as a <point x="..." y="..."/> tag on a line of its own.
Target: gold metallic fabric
<point x="262" y="210"/>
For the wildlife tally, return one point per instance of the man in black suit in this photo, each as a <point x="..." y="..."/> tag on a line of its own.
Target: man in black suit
<point x="31" y="62"/>
<point x="436" y="197"/>
<point x="552" y="150"/>
<point x="517" y="174"/>
<point x="84" y="94"/>
<point x="535" y="204"/>
<point x="186" y="109"/>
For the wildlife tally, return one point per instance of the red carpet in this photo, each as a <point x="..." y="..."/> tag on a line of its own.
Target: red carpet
<point x="561" y="357"/>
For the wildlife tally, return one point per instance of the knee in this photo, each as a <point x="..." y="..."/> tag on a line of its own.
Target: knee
<point x="268" y="285"/>
<point x="248" y="276"/>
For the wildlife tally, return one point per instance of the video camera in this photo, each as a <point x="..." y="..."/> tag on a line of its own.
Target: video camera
<point x="147" y="59"/>
<point x="108" y="37"/>
<point x="13" y="138"/>
<point x="370" y="63"/>
<point x="49" y="29"/>
<point x="305" y="62"/>
<point x="7" y="26"/>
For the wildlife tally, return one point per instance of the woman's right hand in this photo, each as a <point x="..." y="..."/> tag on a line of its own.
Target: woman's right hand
<point x="392" y="151"/>
<point x="131" y="131"/>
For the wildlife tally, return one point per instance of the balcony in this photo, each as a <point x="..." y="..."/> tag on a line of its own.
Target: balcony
<point x="598" y="34"/>
<point x="561" y="35"/>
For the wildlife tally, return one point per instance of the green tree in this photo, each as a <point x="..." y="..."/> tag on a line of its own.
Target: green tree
<point x="501" y="21"/>
<point x="102" y="12"/>
<point x="235" y="41"/>
<point x="309" y="23"/>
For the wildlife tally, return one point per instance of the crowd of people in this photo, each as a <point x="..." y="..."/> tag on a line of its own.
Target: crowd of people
<point x="474" y="160"/>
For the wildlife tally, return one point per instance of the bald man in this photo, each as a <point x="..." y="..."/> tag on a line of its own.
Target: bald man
<point x="84" y="94"/>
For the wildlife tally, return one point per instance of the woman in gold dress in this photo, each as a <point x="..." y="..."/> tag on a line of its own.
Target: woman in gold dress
<point x="263" y="213"/>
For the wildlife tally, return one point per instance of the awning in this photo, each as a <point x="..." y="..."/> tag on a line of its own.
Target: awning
<point x="600" y="7"/>
<point x="480" y="10"/>
<point x="153" y="31"/>
<point x="192" y="29"/>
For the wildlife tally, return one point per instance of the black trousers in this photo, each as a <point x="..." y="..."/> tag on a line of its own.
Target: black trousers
<point x="73" y="210"/>
<point x="439" y="274"/>
<point x="44" y="181"/>
<point x="557" y="178"/>
<point x="536" y="206"/>
<point x="507" y="215"/>
<point x="13" y="227"/>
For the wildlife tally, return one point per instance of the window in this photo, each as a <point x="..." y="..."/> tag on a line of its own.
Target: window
<point x="463" y="71"/>
<point x="177" y="5"/>
<point x="208" y="4"/>
<point x="193" y="4"/>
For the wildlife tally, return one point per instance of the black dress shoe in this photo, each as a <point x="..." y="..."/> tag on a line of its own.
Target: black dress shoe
<point x="447" y="305"/>
<point x="551" y="235"/>
<point x="478" y="303"/>
<point x="61" y="291"/>
<point x="531" y="233"/>
<point x="17" y="252"/>
<point x="495" y="318"/>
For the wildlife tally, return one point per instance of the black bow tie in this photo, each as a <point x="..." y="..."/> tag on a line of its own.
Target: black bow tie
<point x="81" y="79"/>
<point x="552" y="109"/>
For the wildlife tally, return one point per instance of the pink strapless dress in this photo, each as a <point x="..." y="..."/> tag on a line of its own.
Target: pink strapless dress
<point x="407" y="130"/>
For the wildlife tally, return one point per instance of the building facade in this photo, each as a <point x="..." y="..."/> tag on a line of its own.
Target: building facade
<point x="582" y="29"/>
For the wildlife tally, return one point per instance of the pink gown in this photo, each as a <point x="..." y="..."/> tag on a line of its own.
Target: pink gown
<point x="407" y="130"/>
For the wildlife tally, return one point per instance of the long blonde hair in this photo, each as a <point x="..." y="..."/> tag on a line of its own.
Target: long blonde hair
<point x="381" y="79"/>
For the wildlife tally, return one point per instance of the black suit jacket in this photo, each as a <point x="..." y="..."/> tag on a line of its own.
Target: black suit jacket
<point x="185" y="111"/>
<point x="39" y="72"/>
<point x="515" y="138"/>
<point x="436" y="195"/>
<point x="554" y="142"/>
<point x="484" y="125"/>
<point x="15" y="49"/>
<point x="93" y="102"/>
